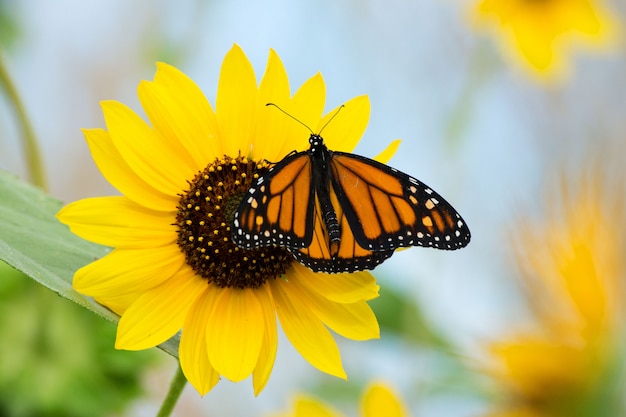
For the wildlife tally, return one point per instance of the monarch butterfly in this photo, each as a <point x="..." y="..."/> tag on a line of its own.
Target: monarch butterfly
<point x="341" y="212"/>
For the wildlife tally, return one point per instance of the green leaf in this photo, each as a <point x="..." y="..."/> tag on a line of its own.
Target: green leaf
<point x="34" y="242"/>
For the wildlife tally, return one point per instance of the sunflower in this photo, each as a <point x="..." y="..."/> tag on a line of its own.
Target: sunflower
<point x="173" y="265"/>
<point x="379" y="399"/>
<point x="573" y="269"/>
<point x="539" y="34"/>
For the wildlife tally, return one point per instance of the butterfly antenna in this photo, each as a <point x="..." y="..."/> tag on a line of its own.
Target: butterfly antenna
<point x="294" y="118"/>
<point x="331" y="118"/>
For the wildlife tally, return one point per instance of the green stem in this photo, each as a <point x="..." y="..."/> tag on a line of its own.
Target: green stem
<point x="176" y="388"/>
<point x="29" y="141"/>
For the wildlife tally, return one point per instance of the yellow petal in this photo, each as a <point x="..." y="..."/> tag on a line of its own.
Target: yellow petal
<point x="379" y="400"/>
<point x="274" y="88"/>
<point x="536" y="47"/>
<point x="532" y="363"/>
<point x="307" y="106"/>
<point x="354" y="321"/>
<point x="119" y="303"/>
<point x="155" y="158"/>
<point x="235" y="333"/>
<point x="194" y="360"/>
<point x="305" y="331"/>
<point x="309" y="100"/>
<point x="263" y="369"/>
<point x="121" y="176"/>
<point x="237" y="102"/>
<point x="310" y="407"/>
<point x="159" y="313"/>
<point x="341" y="288"/>
<point x="118" y="222"/>
<point x="389" y="152"/>
<point x="178" y="109"/>
<point x="128" y="270"/>
<point x="347" y="127"/>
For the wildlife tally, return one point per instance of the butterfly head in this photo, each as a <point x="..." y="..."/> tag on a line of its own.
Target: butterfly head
<point x="315" y="140"/>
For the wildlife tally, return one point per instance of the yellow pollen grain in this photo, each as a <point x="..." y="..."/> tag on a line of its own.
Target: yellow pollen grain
<point x="189" y="205"/>
<point x="202" y="250"/>
<point x="201" y="222"/>
<point x="234" y="167"/>
<point x="245" y="258"/>
<point x="216" y="232"/>
<point x="217" y="207"/>
<point x="201" y="239"/>
<point x="237" y="182"/>
<point x="219" y="167"/>
<point x="197" y="208"/>
<point x="210" y="243"/>
<point x="243" y="175"/>
<point x="225" y="239"/>
<point x="209" y="188"/>
<point x="210" y="215"/>
<point x="188" y="222"/>
<point x="216" y="251"/>
<point x="191" y="239"/>
<point x="205" y="176"/>
<point x="197" y="193"/>
<point x="220" y="184"/>
<point x="211" y="169"/>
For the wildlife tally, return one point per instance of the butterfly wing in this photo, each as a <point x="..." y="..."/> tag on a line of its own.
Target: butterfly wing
<point x="387" y="209"/>
<point x="333" y="257"/>
<point x="279" y="208"/>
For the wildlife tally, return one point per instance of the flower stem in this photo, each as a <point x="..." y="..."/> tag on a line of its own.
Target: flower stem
<point x="176" y="388"/>
<point x="29" y="141"/>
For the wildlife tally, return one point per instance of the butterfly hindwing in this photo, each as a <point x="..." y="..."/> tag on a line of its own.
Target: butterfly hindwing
<point x="347" y="255"/>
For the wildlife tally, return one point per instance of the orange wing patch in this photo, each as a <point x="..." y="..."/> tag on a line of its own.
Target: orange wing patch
<point x="347" y="254"/>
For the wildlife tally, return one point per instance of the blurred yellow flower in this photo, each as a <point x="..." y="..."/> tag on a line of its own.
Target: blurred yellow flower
<point x="378" y="400"/>
<point x="540" y="34"/>
<point x="573" y="268"/>
<point x="174" y="265"/>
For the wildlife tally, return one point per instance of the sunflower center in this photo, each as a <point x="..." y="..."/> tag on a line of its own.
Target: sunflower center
<point x="205" y="214"/>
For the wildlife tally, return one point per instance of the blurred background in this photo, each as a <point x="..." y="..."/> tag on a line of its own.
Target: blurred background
<point x="500" y="141"/>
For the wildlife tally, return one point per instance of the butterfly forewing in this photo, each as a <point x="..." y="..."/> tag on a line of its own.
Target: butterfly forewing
<point x="278" y="208"/>
<point x="387" y="209"/>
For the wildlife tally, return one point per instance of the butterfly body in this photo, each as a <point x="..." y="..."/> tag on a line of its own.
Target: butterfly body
<point x="340" y="212"/>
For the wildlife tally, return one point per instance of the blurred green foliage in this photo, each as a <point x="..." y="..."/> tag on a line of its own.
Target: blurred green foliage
<point x="9" y="24"/>
<point x="56" y="358"/>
